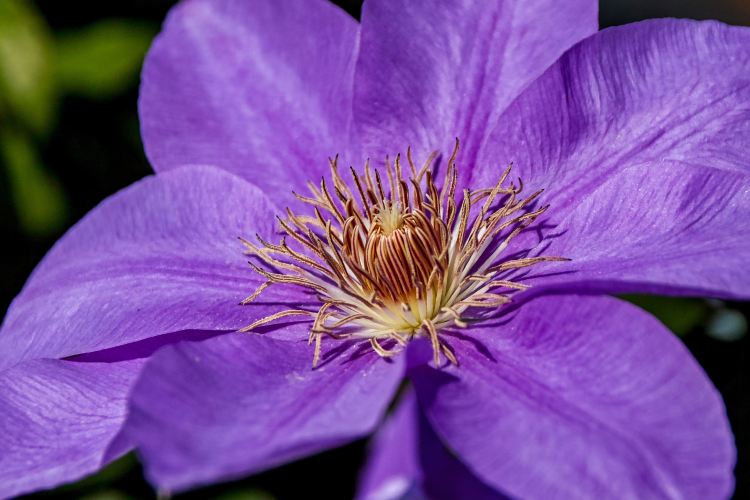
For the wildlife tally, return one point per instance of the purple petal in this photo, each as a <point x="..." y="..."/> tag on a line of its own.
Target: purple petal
<point x="262" y="89"/>
<point x="392" y="469"/>
<point x="679" y="231"/>
<point x="238" y="404"/>
<point x="160" y="256"/>
<point x="429" y="74"/>
<point x="581" y="397"/>
<point x="407" y="460"/>
<point x="660" y="94"/>
<point x="58" y="420"/>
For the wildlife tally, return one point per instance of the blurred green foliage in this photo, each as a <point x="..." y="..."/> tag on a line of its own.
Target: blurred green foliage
<point x="27" y="80"/>
<point x="37" y="195"/>
<point x="242" y="494"/>
<point x="678" y="314"/>
<point x="727" y="325"/>
<point x="684" y="315"/>
<point x="103" y="59"/>
<point x="37" y="70"/>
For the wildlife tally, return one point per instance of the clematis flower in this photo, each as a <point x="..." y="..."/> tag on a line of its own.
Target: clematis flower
<point x="483" y="285"/>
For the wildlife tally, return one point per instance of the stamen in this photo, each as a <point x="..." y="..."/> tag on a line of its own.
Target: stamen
<point x="274" y="317"/>
<point x="409" y="263"/>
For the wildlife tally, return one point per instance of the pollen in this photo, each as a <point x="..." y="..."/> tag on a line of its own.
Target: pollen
<point x="390" y="256"/>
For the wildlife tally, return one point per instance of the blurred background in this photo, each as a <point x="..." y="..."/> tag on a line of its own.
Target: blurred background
<point x="69" y="138"/>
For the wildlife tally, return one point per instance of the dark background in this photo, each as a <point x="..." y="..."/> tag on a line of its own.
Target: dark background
<point x="66" y="145"/>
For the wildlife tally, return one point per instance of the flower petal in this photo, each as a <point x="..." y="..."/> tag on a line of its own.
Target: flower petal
<point x="392" y="469"/>
<point x="160" y="256"/>
<point x="429" y="74"/>
<point x="582" y="397"/>
<point x="407" y="460"/>
<point x="58" y="420"/>
<point x="237" y="404"/>
<point x="659" y="94"/>
<point x="682" y="231"/>
<point x="262" y="89"/>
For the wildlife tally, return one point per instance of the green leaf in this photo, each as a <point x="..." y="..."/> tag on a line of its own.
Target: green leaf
<point x="39" y="200"/>
<point x="245" y="494"/>
<point x="27" y="85"/>
<point x="113" y="482"/>
<point x="106" y="495"/>
<point x="103" y="59"/>
<point x="679" y="314"/>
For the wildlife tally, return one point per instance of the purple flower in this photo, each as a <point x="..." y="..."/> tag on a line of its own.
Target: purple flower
<point x="125" y="336"/>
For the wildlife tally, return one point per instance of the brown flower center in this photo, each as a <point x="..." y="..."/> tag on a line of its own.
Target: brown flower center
<point x="402" y="252"/>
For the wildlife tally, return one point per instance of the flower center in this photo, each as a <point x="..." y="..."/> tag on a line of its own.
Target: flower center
<point x="391" y="260"/>
<point x="400" y="251"/>
<point x="388" y="219"/>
